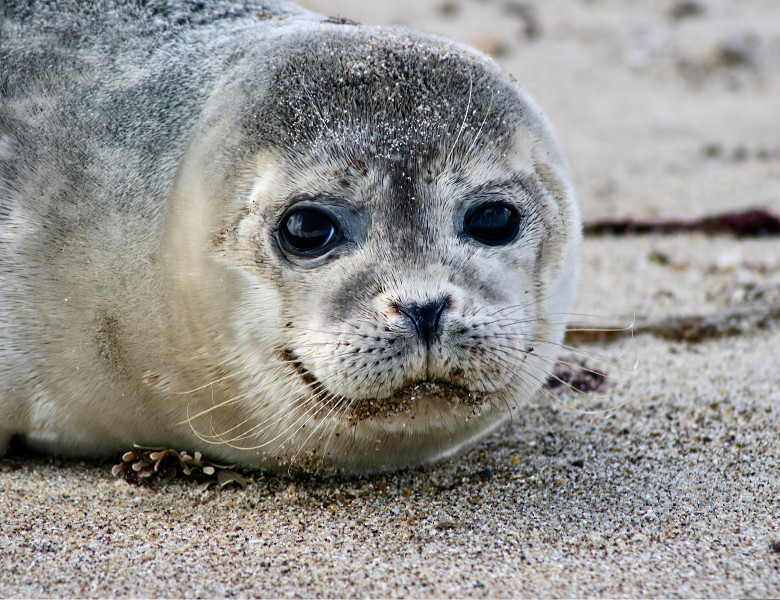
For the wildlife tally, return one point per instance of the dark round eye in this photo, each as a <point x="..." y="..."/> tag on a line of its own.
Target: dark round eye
<point x="493" y="224"/>
<point x="308" y="231"/>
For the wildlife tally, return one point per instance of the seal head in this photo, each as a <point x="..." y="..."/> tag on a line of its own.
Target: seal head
<point x="408" y="217"/>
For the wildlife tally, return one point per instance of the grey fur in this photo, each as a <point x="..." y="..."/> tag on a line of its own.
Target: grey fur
<point x="135" y="230"/>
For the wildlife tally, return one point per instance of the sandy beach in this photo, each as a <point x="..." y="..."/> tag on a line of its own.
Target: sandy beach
<point x="664" y="483"/>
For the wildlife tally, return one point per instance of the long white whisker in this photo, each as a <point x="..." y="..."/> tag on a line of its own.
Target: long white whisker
<point x="465" y="118"/>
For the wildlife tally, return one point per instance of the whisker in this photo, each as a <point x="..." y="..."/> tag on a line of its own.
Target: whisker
<point x="205" y="385"/>
<point x="276" y="420"/>
<point x="318" y="426"/>
<point x="594" y="356"/>
<point x="465" y="119"/>
<point x="211" y="409"/>
<point x="527" y="373"/>
<point x="482" y="126"/>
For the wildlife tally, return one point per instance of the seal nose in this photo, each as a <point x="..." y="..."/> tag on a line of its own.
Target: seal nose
<point x="426" y="318"/>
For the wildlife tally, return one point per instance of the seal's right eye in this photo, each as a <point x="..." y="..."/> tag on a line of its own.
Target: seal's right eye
<point x="309" y="232"/>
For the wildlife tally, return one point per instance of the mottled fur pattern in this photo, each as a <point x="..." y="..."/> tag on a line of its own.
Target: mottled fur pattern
<point x="148" y="151"/>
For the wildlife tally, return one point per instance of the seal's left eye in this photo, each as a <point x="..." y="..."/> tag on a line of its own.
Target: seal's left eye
<point x="493" y="224"/>
<point x="307" y="231"/>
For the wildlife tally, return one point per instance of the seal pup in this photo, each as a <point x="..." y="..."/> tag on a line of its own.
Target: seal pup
<point x="282" y="240"/>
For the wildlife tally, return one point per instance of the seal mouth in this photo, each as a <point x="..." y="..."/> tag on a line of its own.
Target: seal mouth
<point x="403" y="400"/>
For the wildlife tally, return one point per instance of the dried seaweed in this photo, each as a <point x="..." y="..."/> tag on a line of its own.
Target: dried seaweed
<point x="340" y="21"/>
<point x="574" y="373"/>
<point x="142" y="463"/>
<point x="735" y="320"/>
<point x="749" y="223"/>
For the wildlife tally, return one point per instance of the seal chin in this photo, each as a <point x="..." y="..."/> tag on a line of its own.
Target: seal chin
<point x="418" y="396"/>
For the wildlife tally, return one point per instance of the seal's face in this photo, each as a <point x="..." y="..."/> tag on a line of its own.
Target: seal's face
<point x="416" y="233"/>
<point x="402" y="299"/>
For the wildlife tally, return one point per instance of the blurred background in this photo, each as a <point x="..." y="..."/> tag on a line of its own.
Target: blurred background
<point x="665" y="108"/>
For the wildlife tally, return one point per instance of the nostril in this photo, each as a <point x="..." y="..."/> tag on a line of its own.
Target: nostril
<point x="425" y="318"/>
